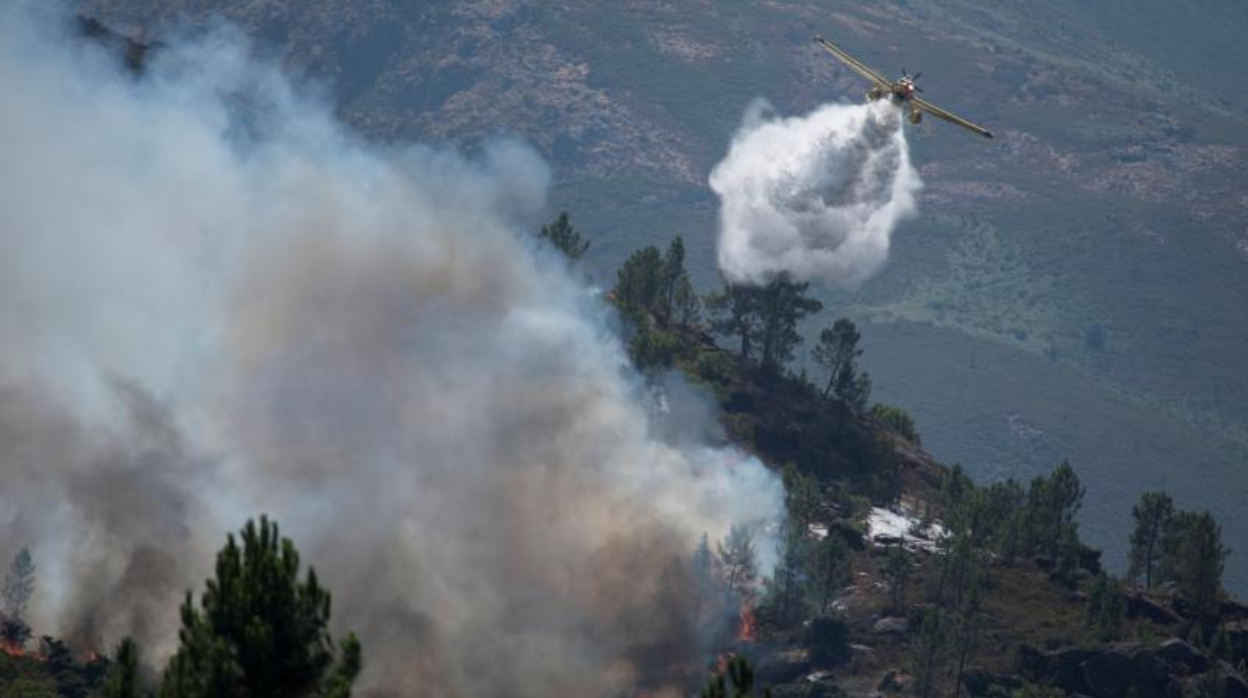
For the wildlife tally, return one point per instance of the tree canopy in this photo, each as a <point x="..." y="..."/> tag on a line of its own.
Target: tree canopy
<point x="564" y="237"/>
<point x="259" y="630"/>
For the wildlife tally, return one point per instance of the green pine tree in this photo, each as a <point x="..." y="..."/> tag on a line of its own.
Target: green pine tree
<point x="123" y="679"/>
<point x="782" y="304"/>
<point x="259" y="630"/>
<point x="564" y="237"/>
<point x="733" y="312"/>
<point x="639" y="282"/>
<point x="837" y="352"/>
<point x="1106" y="607"/>
<point x="1151" y="515"/>
<point x="736" y="681"/>
<point x="1194" y="558"/>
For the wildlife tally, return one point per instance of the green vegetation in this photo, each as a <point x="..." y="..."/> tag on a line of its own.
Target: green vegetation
<point x="1194" y="558"/>
<point x="564" y="237"/>
<point x="736" y="681"/>
<point x="837" y="352"/>
<point x="123" y="676"/>
<point x="259" y="630"/>
<point x="15" y="593"/>
<point x="1152" y="516"/>
<point x="765" y="317"/>
<point x="1106" y="607"/>
<point x="898" y="420"/>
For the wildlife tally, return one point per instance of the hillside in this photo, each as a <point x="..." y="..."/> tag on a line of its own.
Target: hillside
<point x="1029" y="631"/>
<point x="515" y="482"/>
<point x="1080" y="281"/>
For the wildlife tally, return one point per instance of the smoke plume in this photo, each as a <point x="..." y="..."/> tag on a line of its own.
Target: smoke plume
<point x="816" y="196"/>
<point x="215" y="302"/>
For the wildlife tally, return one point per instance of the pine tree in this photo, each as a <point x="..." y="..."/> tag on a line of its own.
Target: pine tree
<point x="897" y="572"/>
<point x="736" y="681"/>
<point x="673" y="271"/>
<point x="788" y="587"/>
<point x="1106" y="607"/>
<point x="123" y="676"/>
<point x="802" y="496"/>
<point x="686" y="307"/>
<point x="739" y="562"/>
<point x="733" y="312"/>
<point x="930" y="650"/>
<point x="639" y="282"/>
<point x="837" y="352"/>
<point x="259" y="630"/>
<point x="782" y="303"/>
<point x="1052" y="504"/>
<point x="1151" y="515"/>
<point x="564" y="237"/>
<point x="705" y="580"/>
<point x="829" y="568"/>
<point x="1221" y="646"/>
<point x="19" y="585"/>
<point x="1195" y="560"/>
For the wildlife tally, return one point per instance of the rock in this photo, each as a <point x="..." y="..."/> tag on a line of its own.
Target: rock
<point x="886" y="541"/>
<point x="1182" y="657"/>
<point x="1233" y="684"/>
<point x="1107" y="674"/>
<point x="782" y="667"/>
<point x="1149" y="674"/>
<point x="1237" y="633"/>
<point x="1065" y="667"/>
<point x="1231" y="610"/>
<point x="895" y="682"/>
<point x="1032" y="663"/>
<point x="819" y="688"/>
<point x="980" y="683"/>
<point x="891" y="625"/>
<point x="1090" y="560"/>
<point x="1140" y="606"/>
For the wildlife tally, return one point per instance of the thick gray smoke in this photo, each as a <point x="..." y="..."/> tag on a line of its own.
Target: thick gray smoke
<point x="816" y="196"/>
<point x="215" y="302"/>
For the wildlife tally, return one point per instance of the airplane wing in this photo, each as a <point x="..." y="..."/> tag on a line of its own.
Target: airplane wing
<point x="951" y="118"/>
<point x="854" y="63"/>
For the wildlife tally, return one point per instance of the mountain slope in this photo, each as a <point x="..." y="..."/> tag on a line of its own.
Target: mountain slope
<point x="1102" y="237"/>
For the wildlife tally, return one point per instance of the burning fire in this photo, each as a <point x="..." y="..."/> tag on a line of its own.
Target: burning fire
<point x="18" y="651"/>
<point x="746" y="623"/>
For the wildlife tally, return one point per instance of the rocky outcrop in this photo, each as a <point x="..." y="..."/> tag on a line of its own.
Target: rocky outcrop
<point x="1141" y="606"/>
<point x="782" y="667"/>
<point x="980" y="683"/>
<point x="1120" y="670"/>
<point x="891" y="625"/>
<point x="1180" y="655"/>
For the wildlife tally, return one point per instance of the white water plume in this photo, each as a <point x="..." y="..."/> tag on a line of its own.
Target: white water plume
<point x="816" y="196"/>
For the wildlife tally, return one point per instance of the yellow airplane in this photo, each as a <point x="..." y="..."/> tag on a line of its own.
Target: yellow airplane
<point x="901" y="91"/>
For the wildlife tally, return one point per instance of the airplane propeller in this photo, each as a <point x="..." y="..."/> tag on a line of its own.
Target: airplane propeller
<point x="905" y="74"/>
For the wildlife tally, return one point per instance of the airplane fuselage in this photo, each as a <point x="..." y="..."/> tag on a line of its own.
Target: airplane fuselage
<point x="898" y="92"/>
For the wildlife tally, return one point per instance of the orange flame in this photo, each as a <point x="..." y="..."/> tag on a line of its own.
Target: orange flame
<point x="18" y="651"/>
<point x="746" y="624"/>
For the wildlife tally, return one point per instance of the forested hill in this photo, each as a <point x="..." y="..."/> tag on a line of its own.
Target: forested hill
<point x="895" y="576"/>
<point x="1074" y="288"/>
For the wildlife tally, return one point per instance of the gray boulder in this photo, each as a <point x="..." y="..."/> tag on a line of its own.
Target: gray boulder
<point x="1107" y="674"/>
<point x="891" y="625"/>
<point x="1140" y="606"/>
<point x="1181" y="657"/>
